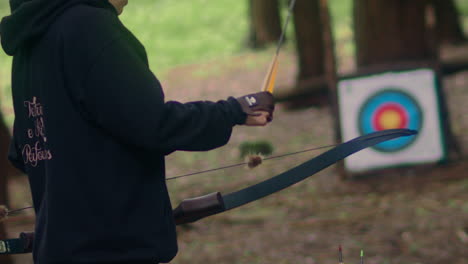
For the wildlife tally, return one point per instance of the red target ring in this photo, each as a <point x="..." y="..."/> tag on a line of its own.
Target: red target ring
<point x="390" y="116"/>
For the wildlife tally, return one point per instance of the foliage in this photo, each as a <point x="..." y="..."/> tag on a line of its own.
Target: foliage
<point x="261" y="147"/>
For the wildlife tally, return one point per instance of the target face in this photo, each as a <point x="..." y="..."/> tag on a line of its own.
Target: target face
<point x="405" y="99"/>
<point x="390" y="109"/>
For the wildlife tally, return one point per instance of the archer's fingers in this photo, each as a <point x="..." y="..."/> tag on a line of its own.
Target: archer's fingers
<point x="260" y="119"/>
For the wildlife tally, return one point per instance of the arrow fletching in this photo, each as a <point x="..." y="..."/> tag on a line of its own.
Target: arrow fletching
<point x="270" y="78"/>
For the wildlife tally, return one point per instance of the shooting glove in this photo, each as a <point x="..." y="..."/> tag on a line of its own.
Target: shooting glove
<point x="262" y="101"/>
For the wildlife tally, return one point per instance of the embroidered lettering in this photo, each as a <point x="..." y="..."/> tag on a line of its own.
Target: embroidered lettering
<point x="34" y="108"/>
<point x="33" y="153"/>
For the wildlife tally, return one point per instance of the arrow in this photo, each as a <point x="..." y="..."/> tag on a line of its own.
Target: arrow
<point x="270" y="78"/>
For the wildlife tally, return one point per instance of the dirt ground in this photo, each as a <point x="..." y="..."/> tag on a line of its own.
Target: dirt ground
<point x="413" y="215"/>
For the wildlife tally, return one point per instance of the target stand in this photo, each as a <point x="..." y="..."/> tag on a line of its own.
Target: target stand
<point x="407" y="98"/>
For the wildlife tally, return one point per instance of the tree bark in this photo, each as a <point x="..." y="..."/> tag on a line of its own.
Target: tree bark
<point x="265" y="23"/>
<point x="5" y="169"/>
<point x="448" y="27"/>
<point x="309" y="39"/>
<point x="391" y="31"/>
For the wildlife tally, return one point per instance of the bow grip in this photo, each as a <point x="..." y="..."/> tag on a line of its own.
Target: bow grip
<point x="28" y="239"/>
<point x="193" y="209"/>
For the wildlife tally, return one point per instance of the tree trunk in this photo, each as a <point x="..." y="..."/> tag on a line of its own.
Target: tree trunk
<point x="265" y="23"/>
<point x="448" y="27"/>
<point x="391" y="31"/>
<point x="315" y="56"/>
<point x="309" y="39"/>
<point x="5" y="169"/>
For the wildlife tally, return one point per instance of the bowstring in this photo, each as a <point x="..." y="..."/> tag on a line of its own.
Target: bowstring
<point x="245" y="163"/>
<point x="12" y="212"/>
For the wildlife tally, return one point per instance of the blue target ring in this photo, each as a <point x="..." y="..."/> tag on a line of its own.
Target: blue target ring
<point x="388" y="109"/>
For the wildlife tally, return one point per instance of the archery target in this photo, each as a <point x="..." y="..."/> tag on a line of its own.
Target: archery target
<point x="406" y="99"/>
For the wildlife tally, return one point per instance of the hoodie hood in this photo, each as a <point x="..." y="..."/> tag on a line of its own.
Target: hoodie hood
<point x="30" y="19"/>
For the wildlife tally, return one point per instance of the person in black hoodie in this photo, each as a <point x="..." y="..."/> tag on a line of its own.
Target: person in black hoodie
<point x="92" y="128"/>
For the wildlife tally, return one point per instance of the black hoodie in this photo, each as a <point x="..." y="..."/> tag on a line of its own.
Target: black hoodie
<point x="92" y="129"/>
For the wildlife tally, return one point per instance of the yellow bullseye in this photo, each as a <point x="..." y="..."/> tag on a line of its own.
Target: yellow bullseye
<point x="390" y="119"/>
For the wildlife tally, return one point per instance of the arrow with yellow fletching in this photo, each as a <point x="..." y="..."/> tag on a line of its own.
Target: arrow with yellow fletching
<point x="270" y="78"/>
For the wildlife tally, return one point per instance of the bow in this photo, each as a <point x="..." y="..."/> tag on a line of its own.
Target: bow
<point x="194" y="209"/>
<point x="191" y="210"/>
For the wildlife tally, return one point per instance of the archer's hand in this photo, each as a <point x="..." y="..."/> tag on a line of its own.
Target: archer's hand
<point x="258" y="107"/>
<point x="260" y="119"/>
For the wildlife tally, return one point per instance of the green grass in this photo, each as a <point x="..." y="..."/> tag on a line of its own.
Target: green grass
<point x="181" y="32"/>
<point x="187" y="31"/>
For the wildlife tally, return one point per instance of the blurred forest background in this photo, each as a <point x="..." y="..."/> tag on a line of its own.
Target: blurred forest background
<point x="208" y="50"/>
